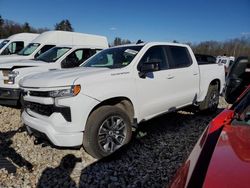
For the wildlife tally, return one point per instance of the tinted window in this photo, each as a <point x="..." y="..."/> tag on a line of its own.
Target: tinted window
<point x="242" y="111"/>
<point x="53" y="54"/>
<point x="240" y="69"/>
<point x="29" y="49"/>
<point x="205" y="59"/>
<point x="117" y="57"/>
<point x="13" y="48"/>
<point x="44" y="49"/>
<point x="178" y="56"/>
<point x="155" y="53"/>
<point x="77" y="57"/>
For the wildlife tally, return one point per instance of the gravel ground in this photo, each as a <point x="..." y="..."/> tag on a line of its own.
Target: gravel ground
<point x="151" y="159"/>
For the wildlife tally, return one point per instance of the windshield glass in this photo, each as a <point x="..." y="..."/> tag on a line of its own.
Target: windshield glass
<point x="238" y="69"/>
<point x="29" y="49"/>
<point x="53" y="54"/>
<point x="114" y="57"/>
<point x="3" y="43"/>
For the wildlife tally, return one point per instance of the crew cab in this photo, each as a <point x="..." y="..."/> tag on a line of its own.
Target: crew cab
<point x="59" y="57"/>
<point x="98" y="103"/>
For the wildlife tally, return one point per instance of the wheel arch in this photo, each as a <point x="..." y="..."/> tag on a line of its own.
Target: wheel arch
<point x="122" y="102"/>
<point x="205" y="90"/>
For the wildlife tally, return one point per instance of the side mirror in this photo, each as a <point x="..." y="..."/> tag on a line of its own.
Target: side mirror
<point x="149" y="66"/>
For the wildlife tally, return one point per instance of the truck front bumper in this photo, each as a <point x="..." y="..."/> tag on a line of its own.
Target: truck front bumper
<point x="9" y="96"/>
<point x="61" y="139"/>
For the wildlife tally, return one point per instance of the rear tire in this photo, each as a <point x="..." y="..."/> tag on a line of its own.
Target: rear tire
<point x="211" y="100"/>
<point x="108" y="128"/>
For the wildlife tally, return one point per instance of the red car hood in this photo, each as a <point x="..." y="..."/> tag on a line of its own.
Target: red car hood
<point x="230" y="162"/>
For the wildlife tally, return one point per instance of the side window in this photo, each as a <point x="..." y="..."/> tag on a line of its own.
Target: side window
<point x="155" y="53"/>
<point x="44" y="49"/>
<point x="77" y="57"/>
<point x="13" y="48"/>
<point x="179" y="57"/>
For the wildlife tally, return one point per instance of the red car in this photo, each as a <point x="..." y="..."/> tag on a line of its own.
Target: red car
<point x="221" y="157"/>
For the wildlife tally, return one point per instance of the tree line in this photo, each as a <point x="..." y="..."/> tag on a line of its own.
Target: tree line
<point x="9" y="27"/>
<point x="233" y="47"/>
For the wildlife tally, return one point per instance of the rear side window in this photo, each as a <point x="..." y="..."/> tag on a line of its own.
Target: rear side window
<point x="155" y="53"/>
<point x="205" y="59"/>
<point x="178" y="56"/>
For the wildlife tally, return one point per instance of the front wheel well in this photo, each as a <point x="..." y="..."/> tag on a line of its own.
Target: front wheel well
<point x="121" y="102"/>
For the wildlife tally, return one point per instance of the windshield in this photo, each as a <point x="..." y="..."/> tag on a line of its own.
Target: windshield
<point x="238" y="69"/>
<point x="3" y="43"/>
<point x="114" y="57"/>
<point x="53" y="54"/>
<point x="29" y="49"/>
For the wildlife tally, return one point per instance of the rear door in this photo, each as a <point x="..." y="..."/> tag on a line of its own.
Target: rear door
<point x="184" y="73"/>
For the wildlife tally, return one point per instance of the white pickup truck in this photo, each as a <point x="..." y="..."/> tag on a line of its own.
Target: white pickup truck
<point x="98" y="104"/>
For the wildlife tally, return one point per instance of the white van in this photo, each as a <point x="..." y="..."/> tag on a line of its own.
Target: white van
<point x="58" y="57"/>
<point x="49" y="39"/>
<point x="16" y="42"/>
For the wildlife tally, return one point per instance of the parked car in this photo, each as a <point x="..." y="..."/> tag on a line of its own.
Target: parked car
<point x="98" y="103"/>
<point x="205" y="59"/>
<point x="64" y="56"/>
<point x="16" y="42"/>
<point x="46" y="41"/>
<point x="238" y="79"/>
<point x="221" y="157"/>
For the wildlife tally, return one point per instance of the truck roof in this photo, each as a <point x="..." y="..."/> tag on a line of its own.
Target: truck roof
<point x="153" y="44"/>
<point x="23" y="36"/>
<point x="77" y="46"/>
<point x="71" y="38"/>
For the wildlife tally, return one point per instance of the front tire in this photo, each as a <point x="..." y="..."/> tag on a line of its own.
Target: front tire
<point x="211" y="100"/>
<point x="108" y="128"/>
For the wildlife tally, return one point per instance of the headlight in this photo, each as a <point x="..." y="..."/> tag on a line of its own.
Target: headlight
<point x="68" y="92"/>
<point x="11" y="77"/>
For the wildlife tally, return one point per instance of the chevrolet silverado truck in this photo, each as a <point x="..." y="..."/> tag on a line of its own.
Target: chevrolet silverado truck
<point x="59" y="57"/>
<point x="97" y="104"/>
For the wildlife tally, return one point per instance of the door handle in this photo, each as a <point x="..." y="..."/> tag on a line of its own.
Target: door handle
<point x="195" y="73"/>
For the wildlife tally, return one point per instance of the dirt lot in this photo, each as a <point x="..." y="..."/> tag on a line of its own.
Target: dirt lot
<point x="158" y="148"/>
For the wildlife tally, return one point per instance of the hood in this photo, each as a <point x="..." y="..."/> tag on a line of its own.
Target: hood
<point x="58" y="78"/>
<point x="15" y="57"/>
<point x="230" y="163"/>
<point x="22" y="64"/>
